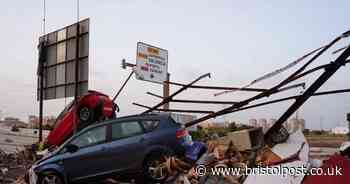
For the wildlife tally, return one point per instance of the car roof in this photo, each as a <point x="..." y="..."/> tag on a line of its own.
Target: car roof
<point x="131" y="117"/>
<point x="153" y="114"/>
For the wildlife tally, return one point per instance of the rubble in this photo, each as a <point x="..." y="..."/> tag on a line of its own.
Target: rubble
<point x="291" y="153"/>
<point x="13" y="166"/>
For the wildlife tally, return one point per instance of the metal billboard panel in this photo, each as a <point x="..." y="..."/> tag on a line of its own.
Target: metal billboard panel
<point x="151" y="63"/>
<point x="59" y="66"/>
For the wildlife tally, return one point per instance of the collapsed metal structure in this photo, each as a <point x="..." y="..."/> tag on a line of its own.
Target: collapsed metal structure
<point x="329" y="70"/>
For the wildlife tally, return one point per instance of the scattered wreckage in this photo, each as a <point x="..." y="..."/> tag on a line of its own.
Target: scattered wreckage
<point x="282" y="148"/>
<point x="255" y="149"/>
<point x="13" y="165"/>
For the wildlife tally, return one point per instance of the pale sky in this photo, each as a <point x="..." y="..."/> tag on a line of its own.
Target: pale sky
<point x="237" y="41"/>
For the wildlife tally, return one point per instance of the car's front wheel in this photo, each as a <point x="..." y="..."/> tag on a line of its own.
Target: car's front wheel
<point x="86" y="117"/>
<point x="155" y="169"/>
<point x="50" y="178"/>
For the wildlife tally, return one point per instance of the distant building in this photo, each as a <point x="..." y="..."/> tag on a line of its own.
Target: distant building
<point x="253" y="123"/>
<point x="33" y="121"/>
<point x="340" y="130"/>
<point x="210" y="124"/>
<point x="292" y="125"/>
<point x="295" y="124"/>
<point x="9" y="122"/>
<point x="219" y="125"/>
<point x="11" y="119"/>
<point x="263" y="123"/>
<point x="271" y="123"/>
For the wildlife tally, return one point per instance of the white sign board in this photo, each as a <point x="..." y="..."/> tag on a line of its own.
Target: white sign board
<point x="151" y="63"/>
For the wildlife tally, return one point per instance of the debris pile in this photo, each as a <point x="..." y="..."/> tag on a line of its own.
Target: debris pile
<point x="13" y="166"/>
<point x="293" y="152"/>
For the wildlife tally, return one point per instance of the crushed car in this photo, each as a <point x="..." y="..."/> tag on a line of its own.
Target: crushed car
<point x="133" y="144"/>
<point x="90" y="108"/>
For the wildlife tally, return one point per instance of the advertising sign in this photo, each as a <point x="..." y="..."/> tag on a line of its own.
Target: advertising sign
<point x="60" y="60"/>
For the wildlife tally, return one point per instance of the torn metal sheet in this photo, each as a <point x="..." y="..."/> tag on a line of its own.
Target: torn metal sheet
<point x="292" y="145"/>
<point x="295" y="145"/>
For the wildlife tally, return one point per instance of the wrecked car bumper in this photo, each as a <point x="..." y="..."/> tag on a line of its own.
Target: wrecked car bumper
<point x="32" y="177"/>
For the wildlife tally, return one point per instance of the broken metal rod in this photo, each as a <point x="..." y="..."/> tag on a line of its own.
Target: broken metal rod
<point x="220" y="102"/>
<point x="329" y="72"/>
<point x="203" y="101"/>
<point x="167" y="99"/>
<point x="290" y="98"/>
<point x="186" y="111"/>
<point x="220" y="87"/>
<point x="313" y="70"/>
<point x="270" y="91"/>
<point x="140" y="105"/>
<point x="175" y="110"/>
<point x="155" y="95"/>
<point x="292" y="87"/>
<point x="124" y="84"/>
<point x="318" y="54"/>
<point x="338" y="50"/>
<point x="193" y="101"/>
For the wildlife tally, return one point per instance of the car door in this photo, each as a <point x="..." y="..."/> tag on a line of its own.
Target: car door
<point x="90" y="158"/>
<point x="127" y="146"/>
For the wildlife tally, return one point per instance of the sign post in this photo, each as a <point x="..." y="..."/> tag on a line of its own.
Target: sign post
<point x="166" y="91"/>
<point x="151" y="63"/>
<point x="40" y="73"/>
<point x="152" y="66"/>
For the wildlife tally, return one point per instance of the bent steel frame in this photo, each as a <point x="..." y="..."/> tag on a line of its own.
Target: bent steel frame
<point x="329" y="70"/>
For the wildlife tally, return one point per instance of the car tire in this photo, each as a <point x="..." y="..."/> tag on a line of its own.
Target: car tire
<point x="153" y="170"/>
<point x="50" y="177"/>
<point x="86" y="116"/>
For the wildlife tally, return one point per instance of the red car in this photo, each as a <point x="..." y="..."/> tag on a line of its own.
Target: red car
<point x="91" y="108"/>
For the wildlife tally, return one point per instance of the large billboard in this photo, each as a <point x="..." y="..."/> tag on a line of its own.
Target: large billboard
<point x="59" y="61"/>
<point x="151" y="63"/>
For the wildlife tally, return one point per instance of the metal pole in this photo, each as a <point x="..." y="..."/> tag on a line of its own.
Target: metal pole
<point x="126" y="81"/>
<point x="76" y="91"/>
<point x="41" y="78"/>
<point x="166" y="91"/>
<point x="41" y="100"/>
